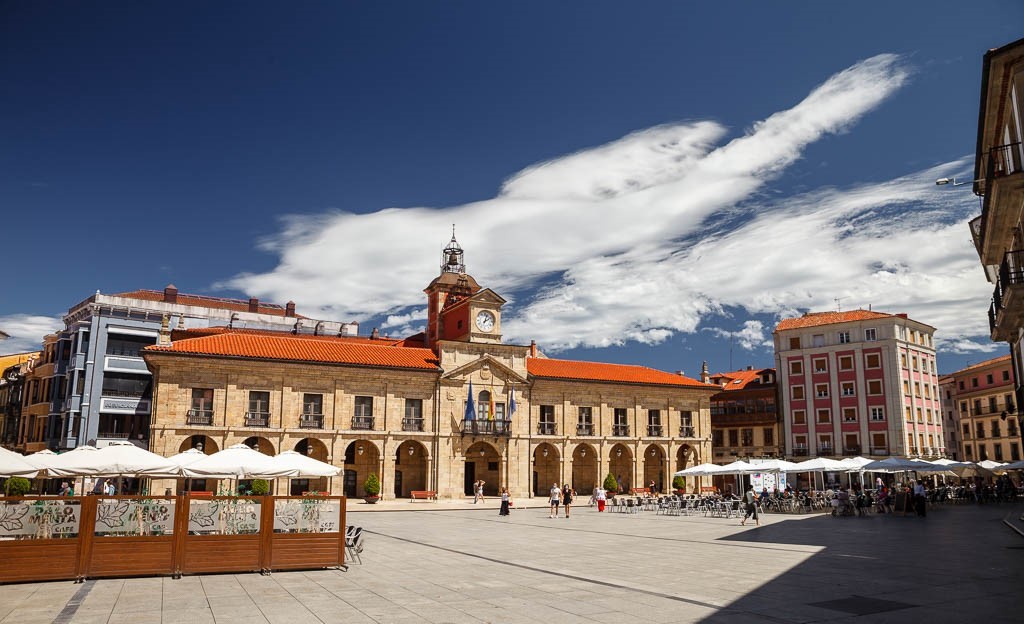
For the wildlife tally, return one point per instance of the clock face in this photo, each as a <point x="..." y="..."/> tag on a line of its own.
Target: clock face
<point x="485" y="321"/>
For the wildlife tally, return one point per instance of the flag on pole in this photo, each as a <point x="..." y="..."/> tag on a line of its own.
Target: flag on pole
<point x="470" y="409"/>
<point x="511" y="402"/>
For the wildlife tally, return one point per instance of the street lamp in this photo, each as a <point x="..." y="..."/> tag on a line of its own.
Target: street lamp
<point x="950" y="181"/>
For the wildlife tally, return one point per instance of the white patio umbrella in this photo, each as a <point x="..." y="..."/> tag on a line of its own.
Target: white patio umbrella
<point x="186" y="458"/>
<point x="305" y="465"/>
<point x="902" y="464"/>
<point x="968" y="469"/>
<point x="237" y="462"/>
<point x="1017" y="465"/>
<point x="700" y="470"/>
<point x="820" y="464"/>
<point x="118" y="459"/>
<point x="14" y="465"/>
<point x="774" y="465"/>
<point x="40" y="459"/>
<point x="988" y="464"/>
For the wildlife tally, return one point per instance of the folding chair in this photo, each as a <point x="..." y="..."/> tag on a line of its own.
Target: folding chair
<point x="354" y="543"/>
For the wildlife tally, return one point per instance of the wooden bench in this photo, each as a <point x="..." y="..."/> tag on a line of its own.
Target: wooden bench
<point x="641" y="490"/>
<point x="422" y="495"/>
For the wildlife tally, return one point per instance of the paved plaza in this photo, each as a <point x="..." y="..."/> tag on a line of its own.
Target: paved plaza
<point x="441" y="562"/>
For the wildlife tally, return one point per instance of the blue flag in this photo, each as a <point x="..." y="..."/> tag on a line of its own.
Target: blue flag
<point x="470" y="409"/>
<point x="511" y="402"/>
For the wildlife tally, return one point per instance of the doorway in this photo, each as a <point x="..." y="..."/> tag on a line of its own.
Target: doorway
<point x="350" y="483"/>
<point x="470" y="478"/>
<point x="398" y="484"/>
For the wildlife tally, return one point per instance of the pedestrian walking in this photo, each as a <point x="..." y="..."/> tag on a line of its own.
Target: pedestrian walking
<point x="555" y="496"/>
<point x="751" y="503"/>
<point x="478" y="492"/>
<point x="567" y="495"/>
<point x="601" y="497"/>
<point x="506" y="502"/>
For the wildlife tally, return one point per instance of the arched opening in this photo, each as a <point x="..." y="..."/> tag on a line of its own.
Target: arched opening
<point x="620" y="463"/>
<point x="482" y="463"/>
<point x="262" y="445"/>
<point x="686" y="457"/>
<point x="361" y="458"/>
<point x="584" y="469"/>
<point x="546" y="469"/>
<point x="654" y="468"/>
<point x="204" y="443"/>
<point x="410" y="468"/>
<point x="316" y="449"/>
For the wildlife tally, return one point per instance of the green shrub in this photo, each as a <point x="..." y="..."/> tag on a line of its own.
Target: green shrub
<point x="679" y="483"/>
<point x="260" y="487"/>
<point x="610" y="484"/>
<point x="372" y="485"/>
<point x="18" y="486"/>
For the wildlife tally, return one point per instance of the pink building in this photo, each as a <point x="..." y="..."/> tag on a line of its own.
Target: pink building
<point x="858" y="383"/>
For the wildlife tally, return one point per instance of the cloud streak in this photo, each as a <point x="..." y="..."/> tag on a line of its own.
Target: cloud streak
<point x="26" y="331"/>
<point x="645" y="237"/>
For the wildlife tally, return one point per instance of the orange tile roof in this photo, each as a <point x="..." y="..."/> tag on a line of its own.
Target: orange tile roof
<point x="284" y="346"/>
<point x="744" y="377"/>
<point x="813" y="319"/>
<point x="197" y="332"/>
<point x="204" y="301"/>
<point x="597" y="371"/>
<point x="996" y="360"/>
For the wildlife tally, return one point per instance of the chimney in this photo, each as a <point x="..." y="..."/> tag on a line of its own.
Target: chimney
<point x="705" y="376"/>
<point x="374" y="335"/>
<point x="533" y="348"/>
<point x="289" y="308"/>
<point x="170" y="293"/>
<point x="749" y="367"/>
<point x="254" y="304"/>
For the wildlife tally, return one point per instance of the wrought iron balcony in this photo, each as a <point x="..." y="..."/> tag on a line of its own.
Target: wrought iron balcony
<point x="199" y="417"/>
<point x="473" y="426"/>
<point x="654" y="431"/>
<point x="850" y="451"/>
<point x="584" y="429"/>
<point x="546" y="428"/>
<point x="825" y="449"/>
<point x="621" y="431"/>
<point x="362" y="422"/>
<point x="686" y="431"/>
<point x="800" y="451"/>
<point x="997" y="221"/>
<point x="257" y="419"/>
<point x="311" y="421"/>
<point x="412" y="424"/>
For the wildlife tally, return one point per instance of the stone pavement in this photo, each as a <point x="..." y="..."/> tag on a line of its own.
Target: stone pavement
<point x="960" y="564"/>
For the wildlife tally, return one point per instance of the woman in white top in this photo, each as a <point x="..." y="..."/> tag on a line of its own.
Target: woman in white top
<point x="505" y="501"/>
<point x="556" y="500"/>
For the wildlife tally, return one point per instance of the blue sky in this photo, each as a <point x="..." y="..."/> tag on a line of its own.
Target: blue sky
<point x="649" y="183"/>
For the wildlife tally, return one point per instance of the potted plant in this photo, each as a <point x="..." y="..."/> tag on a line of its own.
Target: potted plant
<point x="611" y="486"/>
<point x="372" y="488"/>
<point x="679" y="484"/>
<point x="260" y="487"/>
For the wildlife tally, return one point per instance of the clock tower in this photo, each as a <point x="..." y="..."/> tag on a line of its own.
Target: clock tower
<point x="457" y="308"/>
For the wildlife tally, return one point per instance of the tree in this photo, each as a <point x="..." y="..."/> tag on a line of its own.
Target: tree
<point x="372" y="485"/>
<point x="260" y="487"/>
<point x="679" y="483"/>
<point x="18" y="486"/>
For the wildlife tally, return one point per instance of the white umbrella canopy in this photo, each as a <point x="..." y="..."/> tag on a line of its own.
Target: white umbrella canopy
<point x="1017" y="465"/>
<point x="118" y="459"/>
<point x="988" y="464"/>
<point x="237" y="462"/>
<point x="40" y="459"/>
<point x="186" y="457"/>
<point x="968" y="469"/>
<point x="14" y="465"/>
<point x="774" y="465"/>
<point x="902" y="464"/>
<point x="54" y="463"/>
<point x="306" y="466"/>
<point x="820" y="464"/>
<point x="700" y="470"/>
<point x="856" y="463"/>
<point x="740" y="467"/>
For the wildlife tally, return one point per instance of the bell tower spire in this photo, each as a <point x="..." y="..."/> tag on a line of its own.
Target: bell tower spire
<point x="452" y="257"/>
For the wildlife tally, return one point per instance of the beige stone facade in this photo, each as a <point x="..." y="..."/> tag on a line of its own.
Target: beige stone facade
<point x="436" y="452"/>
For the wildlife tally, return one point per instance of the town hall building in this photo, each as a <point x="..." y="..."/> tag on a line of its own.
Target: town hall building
<point x="436" y="411"/>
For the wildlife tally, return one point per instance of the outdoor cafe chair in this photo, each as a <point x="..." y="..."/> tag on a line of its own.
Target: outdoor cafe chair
<point x="354" y="543"/>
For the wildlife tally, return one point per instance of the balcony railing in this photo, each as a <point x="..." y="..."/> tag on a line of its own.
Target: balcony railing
<point x="257" y="419"/>
<point x="800" y="451"/>
<point x="486" y="427"/>
<point x="654" y="431"/>
<point x="825" y="450"/>
<point x="686" y="431"/>
<point x="584" y="429"/>
<point x="851" y="451"/>
<point x="199" y="417"/>
<point x="879" y="450"/>
<point x="311" y="421"/>
<point x="621" y="431"/>
<point x="362" y="422"/>
<point x="546" y="428"/>
<point x="412" y="424"/>
<point x="1002" y="160"/>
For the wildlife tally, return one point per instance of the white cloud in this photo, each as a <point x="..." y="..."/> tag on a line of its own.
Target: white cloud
<point x="750" y="337"/>
<point x="644" y="237"/>
<point x="26" y="331"/>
